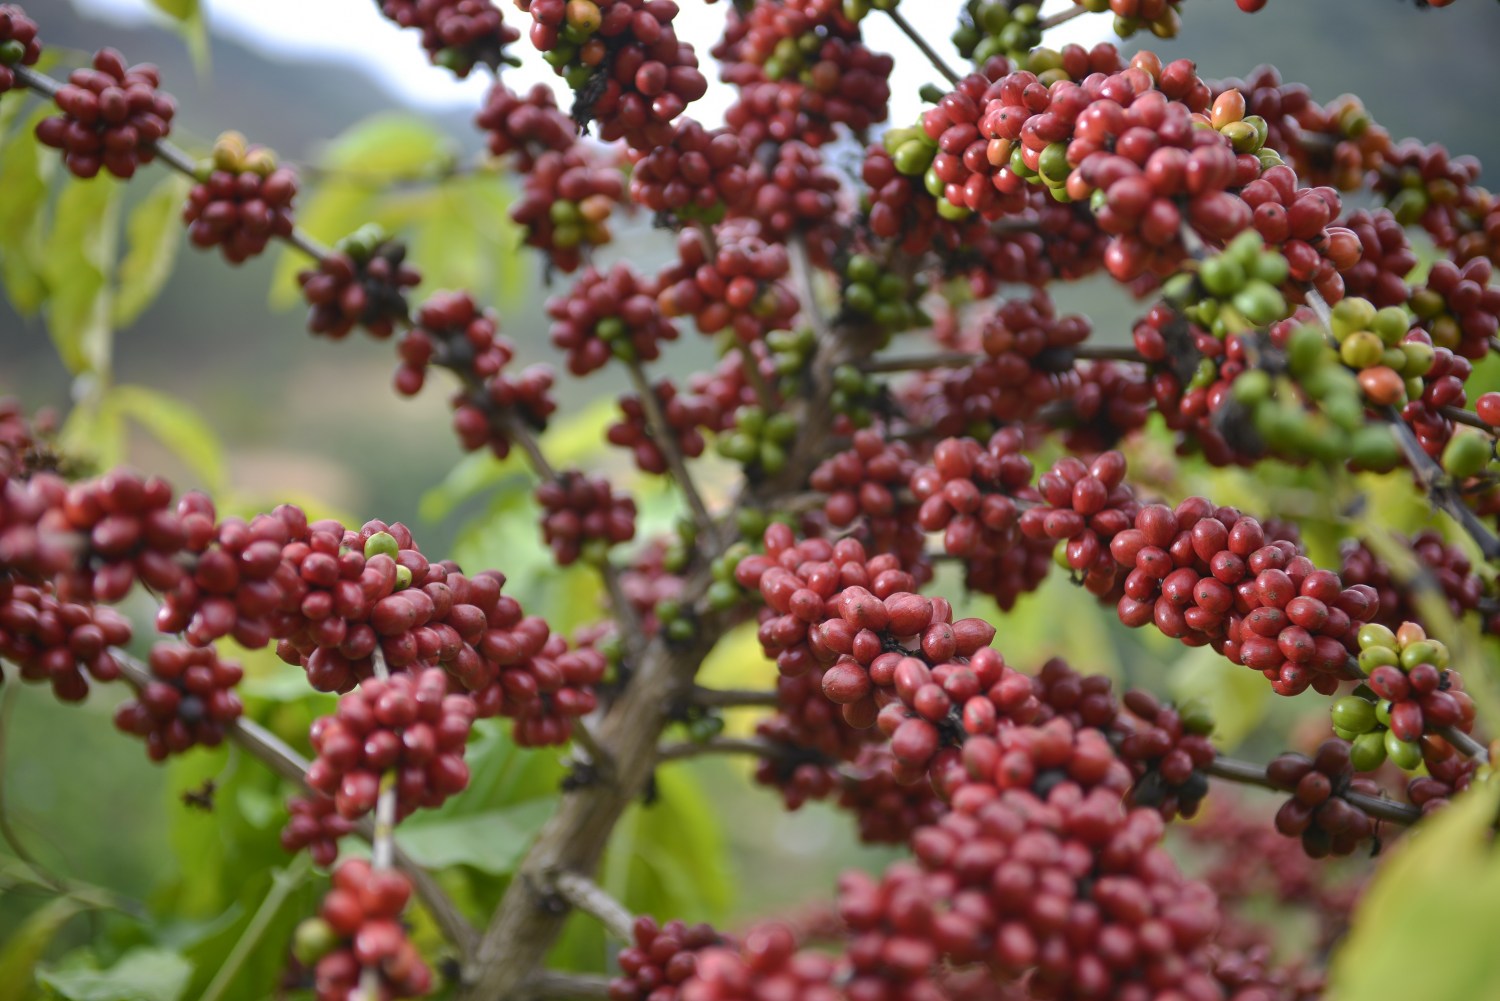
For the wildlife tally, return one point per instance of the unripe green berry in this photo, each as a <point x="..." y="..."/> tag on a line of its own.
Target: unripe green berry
<point x="1404" y="754"/>
<point x="313" y="939"/>
<point x="1354" y="714"/>
<point x="1467" y="455"/>
<point x="381" y="544"/>
<point x="1368" y="751"/>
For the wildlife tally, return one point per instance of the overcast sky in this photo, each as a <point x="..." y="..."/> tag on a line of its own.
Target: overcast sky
<point x="353" y="30"/>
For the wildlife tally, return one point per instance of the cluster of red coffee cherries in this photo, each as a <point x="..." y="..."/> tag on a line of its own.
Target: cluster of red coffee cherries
<point x="686" y="415"/>
<point x="524" y="127"/>
<point x="189" y="700"/>
<point x="358" y="929"/>
<point x="406" y="726"/>
<point x="112" y="116"/>
<point x="660" y="959"/>
<point x="739" y="288"/>
<point x="457" y="34"/>
<point x="452" y="331"/>
<point x="242" y="203"/>
<point x="361" y="283"/>
<point x="609" y="314"/>
<point x="583" y="516"/>
<point x="19" y="45"/>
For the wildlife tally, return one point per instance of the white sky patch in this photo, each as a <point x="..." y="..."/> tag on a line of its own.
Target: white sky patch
<point x="353" y="31"/>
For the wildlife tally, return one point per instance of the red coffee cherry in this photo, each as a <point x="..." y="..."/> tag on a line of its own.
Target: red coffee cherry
<point x="111" y="117"/>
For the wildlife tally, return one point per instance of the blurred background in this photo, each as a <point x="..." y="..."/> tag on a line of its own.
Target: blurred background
<point x="273" y="414"/>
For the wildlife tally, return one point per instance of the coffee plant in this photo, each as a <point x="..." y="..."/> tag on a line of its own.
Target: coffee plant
<point x="903" y="443"/>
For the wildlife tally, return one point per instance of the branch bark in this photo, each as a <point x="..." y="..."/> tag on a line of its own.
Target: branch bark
<point x="524" y="927"/>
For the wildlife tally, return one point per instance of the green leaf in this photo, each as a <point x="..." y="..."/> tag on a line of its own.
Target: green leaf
<point x="95" y="428"/>
<point x="1439" y="895"/>
<point x="179" y="427"/>
<point x="327" y="213"/>
<point x="179" y="10"/>
<point x="387" y="146"/>
<point x="80" y="256"/>
<point x="265" y="935"/>
<point x="23" y="950"/>
<point x="666" y="858"/>
<point x="154" y="231"/>
<point x="491" y="842"/>
<point x="1236" y="697"/>
<point x="474" y="474"/>
<point x="25" y="167"/>
<point x="142" y="975"/>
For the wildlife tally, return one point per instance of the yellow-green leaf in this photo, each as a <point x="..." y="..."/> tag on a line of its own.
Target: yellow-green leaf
<point x="1236" y="696"/>
<point x="80" y="256"/>
<point x="25" y="167"/>
<point x="328" y="213"/>
<point x="179" y="427"/>
<point x="23" y="950"/>
<point x="154" y="232"/>
<point x="1439" y="896"/>
<point x="179" y="10"/>
<point x="142" y="975"/>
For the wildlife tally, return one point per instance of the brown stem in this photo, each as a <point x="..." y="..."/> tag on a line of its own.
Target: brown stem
<point x="966" y="359"/>
<point x="1465" y="744"/>
<point x="590" y="898"/>
<point x="755" y="746"/>
<point x="729" y="697"/>
<point x="1248" y="773"/>
<point x="1062" y="18"/>
<point x="524" y="927"/>
<point x="171" y="155"/>
<point x="750" y="364"/>
<point x="921" y="43"/>
<point x="922" y="363"/>
<point x="599" y="757"/>
<point x="382" y="841"/>
<point x="802" y="270"/>
<point x="666" y="440"/>
<point x="516" y="429"/>
<point x="549" y="985"/>
<point x="1461" y="416"/>
<point x="1436" y="484"/>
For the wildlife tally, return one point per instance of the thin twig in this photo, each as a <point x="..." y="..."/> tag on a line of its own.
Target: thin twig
<point x="283" y="883"/>
<point x="1248" y="773"/>
<point x="549" y="985"/>
<point x="276" y="755"/>
<point x="802" y="271"/>
<point x="922" y="363"/>
<point x="666" y="440"/>
<point x="1465" y="744"/>
<point x="755" y="746"/>
<point x="590" y="898"/>
<point x="381" y="844"/>
<point x="1063" y="17"/>
<point x="757" y="380"/>
<point x="731" y="697"/>
<point x="1461" y="416"/>
<point x="172" y="155"/>
<point x="921" y="43"/>
<point x="519" y="433"/>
